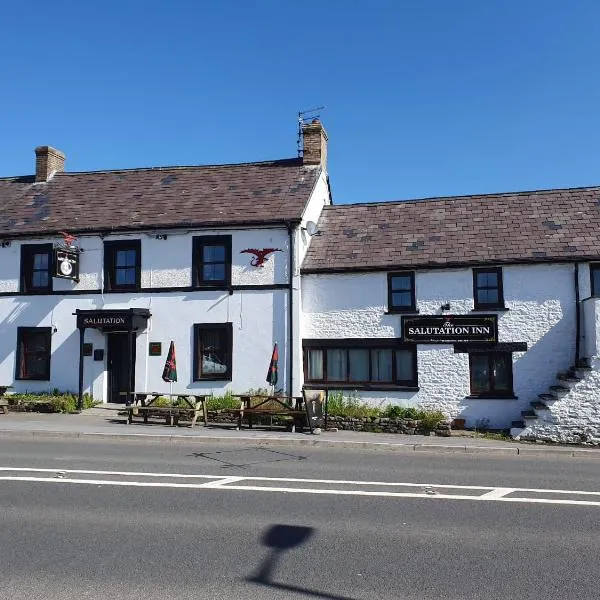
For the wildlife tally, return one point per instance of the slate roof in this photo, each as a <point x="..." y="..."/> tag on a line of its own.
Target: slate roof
<point x="272" y="192"/>
<point x="534" y="226"/>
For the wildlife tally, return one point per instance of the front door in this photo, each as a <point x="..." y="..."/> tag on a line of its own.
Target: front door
<point x="121" y="365"/>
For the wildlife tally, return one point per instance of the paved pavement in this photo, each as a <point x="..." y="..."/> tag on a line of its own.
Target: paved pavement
<point x="106" y="423"/>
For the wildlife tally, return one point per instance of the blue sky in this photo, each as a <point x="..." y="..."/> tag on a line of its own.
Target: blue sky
<point x="423" y="97"/>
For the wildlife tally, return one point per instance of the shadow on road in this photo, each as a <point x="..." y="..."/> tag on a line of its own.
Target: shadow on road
<point x="281" y="538"/>
<point x="246" y="457"/>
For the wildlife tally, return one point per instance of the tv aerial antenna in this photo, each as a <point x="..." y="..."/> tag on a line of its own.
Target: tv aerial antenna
<point x="303" y="117"/>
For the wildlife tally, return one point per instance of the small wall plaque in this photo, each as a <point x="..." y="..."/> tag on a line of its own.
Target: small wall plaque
<point x="155" y="349"/>
<point x="99" y="354"/>
<point x="88" y="349"/>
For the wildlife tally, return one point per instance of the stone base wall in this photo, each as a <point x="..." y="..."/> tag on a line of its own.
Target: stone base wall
<point x="369" y="424"/>
<point x="385" y="425"/>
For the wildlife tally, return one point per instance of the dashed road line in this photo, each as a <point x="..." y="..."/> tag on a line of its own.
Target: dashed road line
<point x="290" y="485"/>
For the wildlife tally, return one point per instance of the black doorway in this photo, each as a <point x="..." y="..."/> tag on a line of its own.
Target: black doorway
<point x="121" y="365"/>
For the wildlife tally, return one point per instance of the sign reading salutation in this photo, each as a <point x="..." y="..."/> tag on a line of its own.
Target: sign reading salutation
<point x="129" y="319"/>
<point x="447" y="329"/>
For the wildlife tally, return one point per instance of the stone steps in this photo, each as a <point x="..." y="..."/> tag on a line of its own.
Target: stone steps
<point x="537" y="405"/>
<point x="559" y="390"/>
<point x="529" y="414"/>
<point x="567" y="380"/>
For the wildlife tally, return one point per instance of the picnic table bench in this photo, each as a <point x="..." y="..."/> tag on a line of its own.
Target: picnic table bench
<point x="272" y="406"/>
<point x="143" y="405"/>
<point x="3" y="400"/>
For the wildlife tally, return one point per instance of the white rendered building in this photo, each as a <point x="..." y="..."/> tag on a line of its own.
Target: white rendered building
<point x="207" y="257"/>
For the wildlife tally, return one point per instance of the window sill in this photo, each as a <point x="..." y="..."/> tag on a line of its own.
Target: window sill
<point x="329" y="385"/>
<point x="401" y="311"/>
<point x="32" y="378"/>
<point x="122" y="290"/>
<point x="228" y="378"/>
<point x="491" y="308"/>
<point x="38" y="292"/>
<point x="216" y="285"/>
<point x="490" y="397"/>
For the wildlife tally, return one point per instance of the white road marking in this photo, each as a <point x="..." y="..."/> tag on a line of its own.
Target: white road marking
<point x="221" y="482"/>
<point x="234" y="483"/>
<point x="125" y="473"/>
<point x="497" y="493"/>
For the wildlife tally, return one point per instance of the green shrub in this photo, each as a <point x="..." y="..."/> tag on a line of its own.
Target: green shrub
<point x="162" y="402"/>
<point x="349" y="405"/>
<point x="222" y="402"/>
<point x="401" y="412"/>
<point x="56" y="401"/>
<point x="430" y="418"/>
<point x="65" y="403"/>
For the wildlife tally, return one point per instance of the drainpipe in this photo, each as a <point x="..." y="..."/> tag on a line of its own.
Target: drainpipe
<point x="80" y="390"/>
<point x="290" y="308"/>
<point x="577" y="314"/>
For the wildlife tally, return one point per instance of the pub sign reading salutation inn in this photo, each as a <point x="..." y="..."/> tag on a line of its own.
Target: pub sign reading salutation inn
<point x="445" y="329"/>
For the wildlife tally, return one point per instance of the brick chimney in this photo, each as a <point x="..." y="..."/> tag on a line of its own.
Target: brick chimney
<point x="315" y="144"/>
<point x="48" y="161"/>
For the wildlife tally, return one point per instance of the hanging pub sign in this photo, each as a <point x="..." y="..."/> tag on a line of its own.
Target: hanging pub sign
<point x="66" y="264"/>
<point x="447" y="329"/>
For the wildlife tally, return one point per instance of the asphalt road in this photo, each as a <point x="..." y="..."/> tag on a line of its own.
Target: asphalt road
<point x="203" y="528"/>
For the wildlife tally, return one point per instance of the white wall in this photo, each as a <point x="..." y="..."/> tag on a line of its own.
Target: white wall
<point x="165" y="263"/>
<point x="541" y="303"/>
<point x="320" y="198"/>
<point x="258" y="318"/>
<point x="312" y="212"/>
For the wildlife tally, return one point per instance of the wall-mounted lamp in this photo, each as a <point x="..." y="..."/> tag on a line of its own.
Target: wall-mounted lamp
<point x="5" y="244"/>
<point x="161" y="236"/>
<point x="54" y="329"/>
<point x="445" y="306"/>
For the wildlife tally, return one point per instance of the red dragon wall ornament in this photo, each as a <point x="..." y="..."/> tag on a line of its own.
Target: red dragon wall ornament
<point x="260" y="256"/>
<point x="68" y="239"/>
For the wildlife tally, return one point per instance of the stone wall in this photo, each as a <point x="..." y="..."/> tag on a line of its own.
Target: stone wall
<point x="540" y="311"/>
<point x="386" y="425"/>
<point x="573" y="418"/>
<point x="369" y="424"/>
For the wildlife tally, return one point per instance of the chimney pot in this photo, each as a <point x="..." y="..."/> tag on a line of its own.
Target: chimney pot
<point x="315" y="144"/>
<point x="48" y="161"/>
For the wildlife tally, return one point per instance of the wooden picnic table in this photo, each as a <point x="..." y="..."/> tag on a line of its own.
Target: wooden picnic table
<point x="271" y="406"/>
<point x="143" y="402"/>
<point x="3" y="400"/>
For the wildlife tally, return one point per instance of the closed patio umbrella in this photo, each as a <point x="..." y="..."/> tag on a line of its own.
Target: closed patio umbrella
<point x="170" y="371"/>
<point x="272" y="372"/>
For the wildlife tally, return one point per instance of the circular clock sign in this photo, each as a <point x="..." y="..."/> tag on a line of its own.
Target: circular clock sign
<point x="66" y="268"/>
<point x="66" y="264"/>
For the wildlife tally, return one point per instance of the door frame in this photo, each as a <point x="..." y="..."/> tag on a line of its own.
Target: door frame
<point x="130" y="344"/>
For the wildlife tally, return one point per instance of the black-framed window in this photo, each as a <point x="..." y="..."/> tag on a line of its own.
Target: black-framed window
<point x="213" y="348"/>
<point x="487" y="288"/>
<point x="491" y="374"/>
<point x="33" y="353"/>
<point x="595" y="279"/>
<point x="211" y="261"/>
<point x="401" y="292"/>
<point x="36" y="268"/>
<point x="360" y="363"/>
<point x="122" y="265"/>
